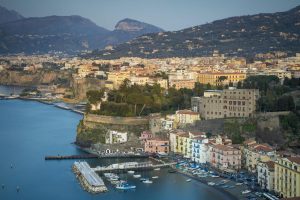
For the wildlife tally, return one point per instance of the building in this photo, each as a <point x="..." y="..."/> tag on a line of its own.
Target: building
<point x="115" y="79"/>
<point x="226" y="103"/>
<point x="225" y="157"/>
<point x="184" y="117"/>
<point x="255" y="153"/>
<point x="157" y="145"/>
<point x="146" y="135"/>
<point x="216" y="78"/>
<point x="287" y="177"/>
<point x="200" y="149"/>
<point x="114" y="137"/>
<point x="265" y="175"/>
<point x="178" y="84"/>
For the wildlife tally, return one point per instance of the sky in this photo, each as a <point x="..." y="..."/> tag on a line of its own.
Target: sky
<point x="168" y="14"/>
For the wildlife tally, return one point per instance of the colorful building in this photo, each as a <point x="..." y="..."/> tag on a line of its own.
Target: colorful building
<point x="287" y="177"/>
<point x="157" y="145"/>
<point x="183" y="117"/>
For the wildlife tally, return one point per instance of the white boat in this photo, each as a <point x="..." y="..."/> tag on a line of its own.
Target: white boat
<point x="215" y="176"/>
<point x="246" y="191"/>
<point x="130" y="172"/>
<point x="137" y="176"/>
<point x="188" y="180"/>
<point x="239" y="184"/>
<point x="154" y="177"/>
<point x="125" y="186"/>
<point x="157" y="169"/>
<point x="148" y="181"/>
<point x="211" y="183"/>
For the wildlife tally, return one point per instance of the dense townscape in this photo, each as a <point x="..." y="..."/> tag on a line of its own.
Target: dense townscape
<point x="200" y="101"/>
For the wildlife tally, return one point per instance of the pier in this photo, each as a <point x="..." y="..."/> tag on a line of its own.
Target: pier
<point x="89" y="180"/>
<point x="83" y="156"/>
<point x="131" y="166"/>
<point x="91" y="156"/>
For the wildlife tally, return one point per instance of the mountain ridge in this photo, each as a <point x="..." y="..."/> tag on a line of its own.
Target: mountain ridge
<point x="234" y="36"/>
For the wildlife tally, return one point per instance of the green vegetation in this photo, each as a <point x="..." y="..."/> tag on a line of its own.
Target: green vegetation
<point x="291" y="124"/>
<point x="85" y="136"/>
<point x="236" y="129"/>
<point x="136" y="100"/>
<point x="274" y="96"/>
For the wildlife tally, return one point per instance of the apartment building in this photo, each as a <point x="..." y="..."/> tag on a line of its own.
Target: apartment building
<point x="157" y="145"/>
<point x="216" y="78"/>
<point x="287" y="177"/>
<point x="265" y="175"/>
<point x="226" y="103"/>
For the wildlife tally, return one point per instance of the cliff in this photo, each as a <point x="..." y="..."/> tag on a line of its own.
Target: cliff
<point x="31" y="79"/>
<point x="93" y="128"/>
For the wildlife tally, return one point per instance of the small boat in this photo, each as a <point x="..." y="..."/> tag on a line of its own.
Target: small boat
<point x="215" y="176"/>
<point x="239" y="184"/>
<point x="130" y="172"/>
<point x="211" y="183"/>
<point x="157" y="169"/>
<point x="154" y="177"/>
<point x="171" y="170"/>
<point x="148" y="181"/>
<point x="246" y="191"/>
<point x="3" y="186"/>
<point x="18" y="188"/>
<point x="188" y="180"/>
<point x="125" y="186"/>
<point x="137" y="176"/>
<point x="143" y="179"/>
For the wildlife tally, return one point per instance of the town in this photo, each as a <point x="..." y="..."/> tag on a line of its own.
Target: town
<point x="230" y="114"/>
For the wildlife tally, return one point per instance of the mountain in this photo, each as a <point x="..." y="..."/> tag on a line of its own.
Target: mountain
<point x="235" y="36"/>
<point x="128" y="29"/>
<point x="53" y="33"/>
<point x="8" y="15"/>
<point x="69" y="34"/>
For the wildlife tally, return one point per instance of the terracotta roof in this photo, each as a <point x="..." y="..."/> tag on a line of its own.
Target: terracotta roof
<point x="198" y="133"/>
<point x="261" y="147"/>
<point x="294" y="159"/>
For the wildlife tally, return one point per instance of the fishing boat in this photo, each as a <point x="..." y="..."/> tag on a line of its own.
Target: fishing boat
<point x="147" y="181"/>
<point x="154" y="177"/>
<point x="130" y="172"/>
<point x="211" y="183"/>
<point x="246" y="191"/>
<point x="137" y="176"/>
<point x="188" y="180"/>
<point x="123" y="185"/>
<point x="157" y="169"/>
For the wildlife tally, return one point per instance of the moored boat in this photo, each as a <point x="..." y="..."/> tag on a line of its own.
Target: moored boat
<point x="123" y="185"/>
<point x="137" y="176"/>
<point x="147" y="181"/>
<point x="154" y="177"/>
<point x="130" y="172"/>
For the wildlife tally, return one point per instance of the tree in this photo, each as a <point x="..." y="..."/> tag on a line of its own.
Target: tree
<point x="95" y="96"/>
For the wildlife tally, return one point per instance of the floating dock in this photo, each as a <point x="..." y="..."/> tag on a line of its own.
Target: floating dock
<point x="88" y="178"/>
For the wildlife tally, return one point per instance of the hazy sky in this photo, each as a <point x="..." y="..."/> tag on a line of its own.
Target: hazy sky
<point x="167" y="14"/>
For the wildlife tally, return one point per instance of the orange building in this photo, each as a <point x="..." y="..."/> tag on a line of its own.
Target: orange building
<point x="213" y="78"/>
<point x="157" y="145"/>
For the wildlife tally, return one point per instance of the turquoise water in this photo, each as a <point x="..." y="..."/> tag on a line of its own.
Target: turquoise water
<point x="30" y="130"/>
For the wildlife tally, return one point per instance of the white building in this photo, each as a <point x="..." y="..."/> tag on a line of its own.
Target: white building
<point x="199" y="149"/>
<point x="114" y="137"/>
<point x="265" y="175"/>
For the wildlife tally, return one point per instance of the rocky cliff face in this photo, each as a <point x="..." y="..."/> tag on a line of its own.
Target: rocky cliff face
<point x="81" y="86"/>
<point x="30" y="79"/>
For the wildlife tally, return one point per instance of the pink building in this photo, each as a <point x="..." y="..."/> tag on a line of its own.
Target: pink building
<point x="157" y="145"/>
<point x="145" y="135"/>
<point x="225" y="157"/>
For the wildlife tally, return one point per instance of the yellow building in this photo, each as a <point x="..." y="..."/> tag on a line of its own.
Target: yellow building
<point x="178" y="84"/>
<point x="255" y="153"/>
<point x="287" y="177"/>
<point x="182" y="144"/>
<point x="183" y="117"/>
<point x="116" y="78"/>
<point x="213" y="78"/>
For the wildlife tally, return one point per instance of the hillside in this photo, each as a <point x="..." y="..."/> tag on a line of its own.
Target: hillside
<point x="8" y="15"/>
<point x="235" y="36"/>
<point x="69" y="34"/>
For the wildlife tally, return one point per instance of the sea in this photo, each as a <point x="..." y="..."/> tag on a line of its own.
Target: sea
<point x="31" y="130"/>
